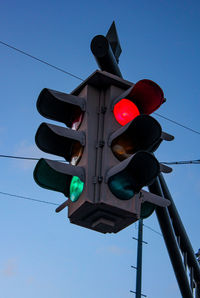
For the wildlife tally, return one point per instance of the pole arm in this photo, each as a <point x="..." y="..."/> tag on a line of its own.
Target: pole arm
<point x="104" y="55"/>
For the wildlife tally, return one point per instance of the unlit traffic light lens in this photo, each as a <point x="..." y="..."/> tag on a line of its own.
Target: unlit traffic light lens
<point x="76" y="153"/>
<point x="76" y="188"/>
<point x="127" y="178"/>
<point x="146" y="209"/>
<point x="78" y="117"/>
<point x="121" y="185"/>
<point x="142" y="133"/>
<point x="123" y="148"/>
<point x="125" y="111"/>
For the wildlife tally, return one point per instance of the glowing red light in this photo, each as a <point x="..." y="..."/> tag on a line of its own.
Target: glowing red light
<point x="125" y="111"/>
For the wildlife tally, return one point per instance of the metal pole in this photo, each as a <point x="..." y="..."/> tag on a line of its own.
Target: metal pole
<point x="104" y="56"/>
<point x="171" y="244"/>
<point x="179" y="229"/>
<point x="139" y="260"/>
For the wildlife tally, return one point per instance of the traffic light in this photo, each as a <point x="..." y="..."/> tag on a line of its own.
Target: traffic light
<point x="133" y="138"/>
<point x="65" y="142"/>
<point x="105" y="164"/>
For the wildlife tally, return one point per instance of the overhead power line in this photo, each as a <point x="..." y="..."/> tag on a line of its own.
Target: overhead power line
<point x="79" y="78"/>
<point x="184" y="162"/>
<point x="19" y="157"/>
<point x="179" y="124"/>
<point x="152" y="230"/>
<point x="40" y="60"/>
<point x="27" y="198"/>
<point x="55" y="204"/>
<point x="25" y="158"/>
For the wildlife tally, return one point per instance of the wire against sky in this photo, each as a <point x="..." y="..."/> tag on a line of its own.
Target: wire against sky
<point x="153" y="230"/>
<point x="186" y="127"/>
<point x="26" y="157"/>
<point x="184" y="162"/>
<point x="55" y="204"/>
<point x="27" y="198"/>
<point x="40" y="60"/>
<point x="74" y="76"/>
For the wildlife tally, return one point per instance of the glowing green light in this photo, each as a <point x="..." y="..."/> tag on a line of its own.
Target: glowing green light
<point x="76" y="188"/>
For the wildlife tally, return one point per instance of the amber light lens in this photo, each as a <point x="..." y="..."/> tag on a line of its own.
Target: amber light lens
<point x="125" y="111"/>
<point x="123" y="148"/>
<point x="76" y="154"/>
<point x="78" y="117"/>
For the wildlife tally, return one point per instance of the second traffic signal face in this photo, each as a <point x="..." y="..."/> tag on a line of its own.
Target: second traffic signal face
<point x="136" y="133"/>
<point x="131" y="137"/>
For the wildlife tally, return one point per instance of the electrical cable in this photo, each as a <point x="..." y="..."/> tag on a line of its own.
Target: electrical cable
<point x="181" y="125"/>
<point x="18" y="157"/>
<point x="40" y="60"/>
<point x="26" y="158"/>
<point x="185" y="162"/>
<point x="153" y="230"/>
<point x="72" y="75"/>
<point x="55" y="204"/>
<point x="27" y="198"/>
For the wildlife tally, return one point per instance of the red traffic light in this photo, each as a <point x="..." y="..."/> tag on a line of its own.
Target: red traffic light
<point x="144" y="97"/>
<point x="125" y="111"/>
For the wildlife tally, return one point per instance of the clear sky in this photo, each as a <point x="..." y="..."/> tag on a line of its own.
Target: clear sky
<point x="42" y="254"/>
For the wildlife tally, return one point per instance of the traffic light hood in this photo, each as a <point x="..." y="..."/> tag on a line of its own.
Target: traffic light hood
<point x="142" y="133"/>
<point x="127" y="178"/>
<point x="57" y="176"/>
<point x="146" y="94"/>
<point x="59" y="140"/>
<point x="60" y="106"/>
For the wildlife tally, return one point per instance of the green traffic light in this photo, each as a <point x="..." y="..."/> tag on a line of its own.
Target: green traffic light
<point x="76" y="188"/>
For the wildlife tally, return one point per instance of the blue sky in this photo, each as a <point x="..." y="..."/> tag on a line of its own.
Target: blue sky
<point x="42" y="254"/>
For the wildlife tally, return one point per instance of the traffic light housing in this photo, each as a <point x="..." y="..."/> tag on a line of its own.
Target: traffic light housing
<point x="136" y="136"/>
<point x="108" y="163"/>
<point x="61" y="141"/>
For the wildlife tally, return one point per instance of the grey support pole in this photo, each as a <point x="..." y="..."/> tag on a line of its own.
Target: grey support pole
<point x="179" y="229"/>
<point x="171" y="244"/>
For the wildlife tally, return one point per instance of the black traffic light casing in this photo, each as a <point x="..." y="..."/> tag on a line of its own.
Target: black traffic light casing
<point x="68" y="143"/>
<point x="106" y="212"/>
<point x="61" y="141"/>
<point x="128" y="163"/>
<point x="91" y="106"/>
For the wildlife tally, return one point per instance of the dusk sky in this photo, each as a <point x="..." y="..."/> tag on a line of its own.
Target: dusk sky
<point x="42" y="253"/>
